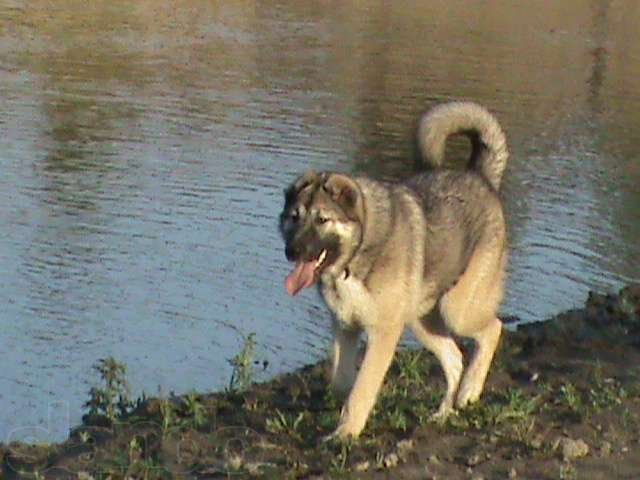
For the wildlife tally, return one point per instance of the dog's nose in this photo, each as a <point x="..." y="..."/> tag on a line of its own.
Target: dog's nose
<point x="291" y="252"/>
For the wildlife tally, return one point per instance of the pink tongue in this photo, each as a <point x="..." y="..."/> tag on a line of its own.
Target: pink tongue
<point x="301" y="277"/>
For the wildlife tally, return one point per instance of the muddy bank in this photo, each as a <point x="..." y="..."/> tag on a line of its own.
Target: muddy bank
<point x="562" y="401"/>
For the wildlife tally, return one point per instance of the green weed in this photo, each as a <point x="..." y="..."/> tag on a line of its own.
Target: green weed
<point x="607" y="392"/>
<point x="410" y="365"/>
<point x="287" y="424"/>
<point x="571" y="397"/>
<point x="167" y="414"/>
<point x="398" y="419"/>
<point x="510" y="414"/>
<point x="113" y="399"/>
<point x="339" y="461"/>
<point x="194" y="411"/>
<point x="242" y="375"/>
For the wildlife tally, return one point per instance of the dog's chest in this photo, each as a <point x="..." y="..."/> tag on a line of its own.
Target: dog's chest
<point x="350" y="301"/>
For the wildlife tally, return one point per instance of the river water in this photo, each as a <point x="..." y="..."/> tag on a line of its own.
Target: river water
<point x="144" y="149"/>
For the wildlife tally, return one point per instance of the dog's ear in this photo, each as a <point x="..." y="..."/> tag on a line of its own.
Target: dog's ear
<point x="309" y="178"/>
<point x="345" y="192"/>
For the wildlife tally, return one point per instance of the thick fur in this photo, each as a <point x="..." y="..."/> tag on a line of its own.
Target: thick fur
<point x="428" y="253"/>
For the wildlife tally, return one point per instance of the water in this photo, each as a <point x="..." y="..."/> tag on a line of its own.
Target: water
<point x="144" y="150"/>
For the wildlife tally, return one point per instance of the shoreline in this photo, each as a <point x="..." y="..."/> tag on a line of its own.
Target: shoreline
<point x="562" y="401"/>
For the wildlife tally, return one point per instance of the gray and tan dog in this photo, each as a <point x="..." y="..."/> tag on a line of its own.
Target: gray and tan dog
<point x="428" y="253"/>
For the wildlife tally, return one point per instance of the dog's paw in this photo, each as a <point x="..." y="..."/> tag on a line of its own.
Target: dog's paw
<point x="469" y="393"/>
<point x="442" y="414"/>
<point x="332" y="437"/>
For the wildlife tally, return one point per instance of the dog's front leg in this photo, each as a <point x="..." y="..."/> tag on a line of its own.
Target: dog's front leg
<point x="344" y="358"/>
<point x="381" y="346"/>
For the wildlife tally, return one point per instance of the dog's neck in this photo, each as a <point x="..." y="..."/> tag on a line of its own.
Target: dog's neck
<point x="376" y="210"/>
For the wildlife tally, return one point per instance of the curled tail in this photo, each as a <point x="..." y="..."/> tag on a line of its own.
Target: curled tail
<point x="489" y="151"/>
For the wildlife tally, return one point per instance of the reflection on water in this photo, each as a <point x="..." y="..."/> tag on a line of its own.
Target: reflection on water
<point x="144" y="149"/>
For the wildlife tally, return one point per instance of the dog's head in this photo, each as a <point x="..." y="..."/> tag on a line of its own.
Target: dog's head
<point x="321" y="224"/>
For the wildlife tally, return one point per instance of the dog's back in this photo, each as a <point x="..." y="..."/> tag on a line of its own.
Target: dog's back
<point x="460" y="209"/>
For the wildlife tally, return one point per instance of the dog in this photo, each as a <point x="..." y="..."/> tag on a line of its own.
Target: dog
<point x="428" y="253"/>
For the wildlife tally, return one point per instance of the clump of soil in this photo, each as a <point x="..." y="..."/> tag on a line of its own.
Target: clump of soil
<point x="562" y="401"/>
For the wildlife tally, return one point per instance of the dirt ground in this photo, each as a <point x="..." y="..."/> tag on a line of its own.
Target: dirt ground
<point x="562" y="402"/>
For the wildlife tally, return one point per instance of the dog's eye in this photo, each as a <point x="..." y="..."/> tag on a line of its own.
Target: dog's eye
<point x="294" y="216"/>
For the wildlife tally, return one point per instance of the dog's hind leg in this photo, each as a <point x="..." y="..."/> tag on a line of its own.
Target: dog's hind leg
<point x="448" y="354"/>
<point x="476" y="374"/>
<point x="469" y="310"/>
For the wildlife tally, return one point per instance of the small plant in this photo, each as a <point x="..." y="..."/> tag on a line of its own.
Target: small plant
<point x="607" y="392"/>
<point x="410" y="367"/>
<point x="607" y="395"/>
<point x="423" y="412"/>
<point x="135" y="450"/>
<point x="85" y="437"/>
<point x="398" y="420"/>
<point x="339" y="462"/>
<point x="513" y="412"/>
<point x="283" y="423"/>
<point x="194" y="411"/>
<point x="518" y="408"/>
<point x="113" y="400"/>
<point x="168" y="414"/>
<point x="242" y="375"/>
<point x="571" y="397"/>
